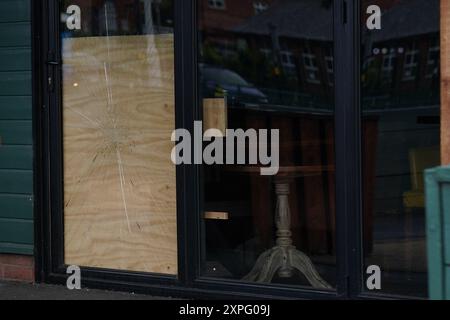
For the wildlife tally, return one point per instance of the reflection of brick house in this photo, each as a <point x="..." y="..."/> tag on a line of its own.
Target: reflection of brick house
<point x="399" y="59"/>
<point x="227" y="14"/>
<point x="124" y="17"/>
<point x="403" y="57"/>
<point x="383" y="4"/>
<point x="286" y="34"/>
<point x="218" y="19"/>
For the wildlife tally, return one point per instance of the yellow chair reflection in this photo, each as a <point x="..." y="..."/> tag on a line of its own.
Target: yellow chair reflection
<point x="420" y="160"/>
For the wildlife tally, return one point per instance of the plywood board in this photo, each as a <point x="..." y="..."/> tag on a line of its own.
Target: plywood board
<point x="215" y="114"/>
<point x="119" y="181"/>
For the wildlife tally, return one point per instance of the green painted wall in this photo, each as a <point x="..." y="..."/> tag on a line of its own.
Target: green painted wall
<point x="16" y="151"/>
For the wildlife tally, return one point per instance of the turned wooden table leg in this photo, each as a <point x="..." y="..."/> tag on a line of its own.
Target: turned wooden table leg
<point x="284" y="257"/>
<point x="283" y="222"/>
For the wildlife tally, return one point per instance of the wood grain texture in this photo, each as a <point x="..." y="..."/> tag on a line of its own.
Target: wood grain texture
<point x="215" y="114"/>
<point x="445" y="81"/>
<point x="119" y="181"/>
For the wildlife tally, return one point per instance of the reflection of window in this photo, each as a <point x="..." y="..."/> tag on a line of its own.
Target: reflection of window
<point x="329" y="63"/>
<point x="410" y="64"/>
<point x="267" y="53"/>
<point x="433" y="59"/>
<point x="387" y="68"/>
<point x="216" y="4"/>
<point x="260" y="7"/>
<point x="226" y="49"/>
<point x="310" y="63"/>
<point x="287" y="61"/>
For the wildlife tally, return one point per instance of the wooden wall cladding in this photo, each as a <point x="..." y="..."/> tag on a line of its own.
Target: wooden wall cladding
<point x="119" y="181"/>
<point x="16" y="139"/>
<point x="445" y="81"/>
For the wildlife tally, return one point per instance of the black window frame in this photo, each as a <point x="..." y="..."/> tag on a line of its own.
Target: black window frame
<point x="48" y="185"/>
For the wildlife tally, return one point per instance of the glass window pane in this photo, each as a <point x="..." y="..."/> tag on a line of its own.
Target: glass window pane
<point x="401" y="138"/>
<point x="268" y="65"/>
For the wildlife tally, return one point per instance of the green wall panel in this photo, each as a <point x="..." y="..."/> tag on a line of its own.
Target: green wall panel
<point x="445" y="190"/>
<point x="16" y="206"/>
<point x="14" y="10"/>
<point x="16" y="181"/>
<point x="15" y="248"/>
<point x="15" y="83"/>
<point x="16" y="132"/>
<point x="15" y="34"/>
<point x="16" y="157"/>
<point x="15" y="59"/>
<point x="16" y="231"/>
<point x="16" y="151"/>
<point x="15" y="107"/>
<point x="437" y="182"/>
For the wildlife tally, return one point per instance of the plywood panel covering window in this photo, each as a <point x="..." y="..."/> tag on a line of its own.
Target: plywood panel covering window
<point x="119" y="182"/>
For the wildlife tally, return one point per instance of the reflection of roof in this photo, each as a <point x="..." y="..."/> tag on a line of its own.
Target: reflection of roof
<point x="313" y="19"/>
<point x="307" y="19"/>
<point x="409" y="18"/>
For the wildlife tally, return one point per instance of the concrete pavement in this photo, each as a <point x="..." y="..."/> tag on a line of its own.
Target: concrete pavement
<point x="20" y="291"/>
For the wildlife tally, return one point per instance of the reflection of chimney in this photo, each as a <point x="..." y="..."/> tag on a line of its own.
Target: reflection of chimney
<point x="148" y="17"/>
<point x="109" y="16"/>
<point x="151" y="26"/>
<point x="158" y="12"/>
<point x="368" y="43"/>
<point x="275" y="43"/>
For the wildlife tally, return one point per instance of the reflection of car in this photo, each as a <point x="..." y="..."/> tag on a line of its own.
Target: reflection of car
<point x="219" y="82"/>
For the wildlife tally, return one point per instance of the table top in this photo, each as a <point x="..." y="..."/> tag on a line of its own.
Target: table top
<point x="285" y="171"/>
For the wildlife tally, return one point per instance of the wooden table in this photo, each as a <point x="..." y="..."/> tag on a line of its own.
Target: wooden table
<point x="284" y="257"/>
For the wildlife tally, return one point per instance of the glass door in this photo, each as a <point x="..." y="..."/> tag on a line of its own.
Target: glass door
<point x="117" y="112"/>
<point x="267" y="91"/>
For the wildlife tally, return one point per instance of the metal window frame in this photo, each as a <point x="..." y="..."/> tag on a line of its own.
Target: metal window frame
<point x="49" y="224"/>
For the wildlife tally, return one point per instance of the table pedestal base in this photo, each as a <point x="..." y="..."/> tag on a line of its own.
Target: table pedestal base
<point x="284" y="258"/>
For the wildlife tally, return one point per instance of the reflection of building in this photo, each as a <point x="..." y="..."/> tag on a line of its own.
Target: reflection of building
<point x="124" y="17"/>
<point x="400" y="58"/>
<point x="297" y="57"/>
<point x="272" y="57"/>
<point x="288" y="56"/>
<point x="226" y="14"/>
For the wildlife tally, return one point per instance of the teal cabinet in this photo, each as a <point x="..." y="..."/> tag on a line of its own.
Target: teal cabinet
<point x="438" y="232"/>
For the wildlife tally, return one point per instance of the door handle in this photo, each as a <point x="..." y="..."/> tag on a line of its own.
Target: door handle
<point x="50" y="85"/>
